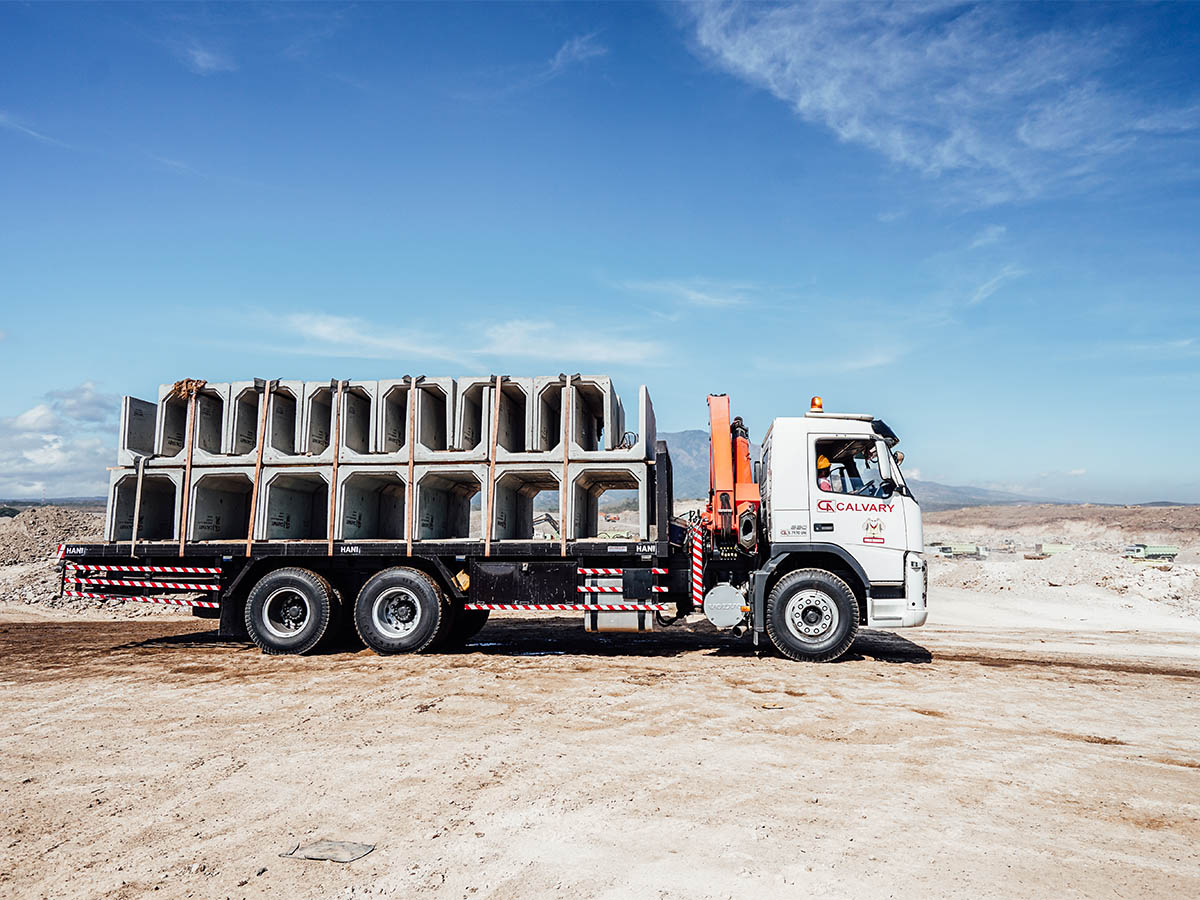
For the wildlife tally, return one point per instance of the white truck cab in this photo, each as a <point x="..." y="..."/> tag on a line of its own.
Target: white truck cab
<point x="832" y="487"/>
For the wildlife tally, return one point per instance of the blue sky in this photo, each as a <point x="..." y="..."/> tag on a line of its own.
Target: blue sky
<point x="981" y="223"/>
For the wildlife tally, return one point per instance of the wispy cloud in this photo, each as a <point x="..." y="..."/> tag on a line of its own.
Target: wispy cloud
<point x="11" y="124"/>
<point x="1001" y="109"/>
<point x="890" y="215"/>
<point x="205" y="60"/>
<point x="515" y="80"/>
<point x="354" y="338"/>
<point x="993" y="234"/>
<point x="1076" y="473"/>
<point x="539" y="340"/>
<point x="989" y="287"/>
<point x="702" y="292"/>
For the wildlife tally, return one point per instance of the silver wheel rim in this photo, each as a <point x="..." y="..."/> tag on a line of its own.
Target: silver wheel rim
<point x="811" y="615"/>
<point x="286" y="612"/>
<point x="396" y="613"/>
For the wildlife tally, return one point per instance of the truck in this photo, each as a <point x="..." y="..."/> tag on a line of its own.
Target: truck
<point x="799" y="549"/>
<point x="1151" y="551"/>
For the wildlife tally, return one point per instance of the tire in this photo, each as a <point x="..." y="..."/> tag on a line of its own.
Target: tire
<point x="467" y="624"/>
<point x="401" y="610"/>
<point x="289" y="610"/>
<point x="812" y="616"/>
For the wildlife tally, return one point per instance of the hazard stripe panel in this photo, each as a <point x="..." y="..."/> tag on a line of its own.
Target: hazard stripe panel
<point x="170" y="601"/>
<point x="184" y="570"/>
<point x="600" y="589"/>
<point x="164" y="585"/>
<point x="571" y="607"/>
<point x="614" y="571"/>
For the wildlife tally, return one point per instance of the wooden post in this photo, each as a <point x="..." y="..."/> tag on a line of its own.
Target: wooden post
<point x="565" y="407"/>
<point x="258" y="463"/>
<point x="410" y="489"/>
<point x="337" y="452"/>
<point x="191" y="389"/>
<point x="490" y="509"/>
<point x="137" y="506"/>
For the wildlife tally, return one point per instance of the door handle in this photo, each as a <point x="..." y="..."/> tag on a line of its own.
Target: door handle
<point x="822" y="526"/>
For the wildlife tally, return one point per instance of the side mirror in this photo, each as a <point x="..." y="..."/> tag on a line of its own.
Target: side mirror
<point x="899" y="454"/>
<point x="887" y="487"/>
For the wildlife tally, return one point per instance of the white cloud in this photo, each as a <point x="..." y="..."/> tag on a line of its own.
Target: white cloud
<point x="695" y="291"/>
<point x="993" y="234"/>
<point x="576" y="343"/>
<point x="576" y="50"/>
<point x="514" y="80"/>
<point x="330" y="335"/>
<point x="989" y="287"/>
<point x="8" y="122"/>
<point x="1075" y="473"/>
<point x="1001" y="106"/>
<point x="912" y="473"/>
<point x="889" y="216"/>
<point x="62" y="445"/>
<point x="206" y="60"/>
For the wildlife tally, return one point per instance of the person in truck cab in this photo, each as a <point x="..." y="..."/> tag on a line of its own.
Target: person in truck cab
<point x="823" y="480"/>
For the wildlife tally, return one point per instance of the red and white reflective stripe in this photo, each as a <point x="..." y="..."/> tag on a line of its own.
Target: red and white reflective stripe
<point x="614" y="571"/>
<point x="616" y="589"/>
<point x="697" y="566"/>
<point x="62" y="549"/>
<point x="171" y="601"/>
<point x="186" y="570"/>
<point x="571" y="607"/>
<point x="164" y="585"/>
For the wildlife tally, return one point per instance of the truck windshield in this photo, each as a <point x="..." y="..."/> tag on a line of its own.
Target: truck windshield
<point x="847" y="466"/>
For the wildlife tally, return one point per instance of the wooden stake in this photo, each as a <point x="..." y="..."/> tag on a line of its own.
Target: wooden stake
<point x="137" y="506"/>
<point x="487" y="523"/>
<point x="410" y="489"/>
<point x="258" y="463"/>
<point x="187" y="467"/>
<point x="337" y="452"/>
<point x="565" y="407"/>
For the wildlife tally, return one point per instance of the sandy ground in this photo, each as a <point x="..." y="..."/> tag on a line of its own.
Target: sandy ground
<point x="1001" y="751"/>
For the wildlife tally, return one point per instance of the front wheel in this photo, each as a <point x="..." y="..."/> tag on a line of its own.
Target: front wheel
<point x="812" y="616"/>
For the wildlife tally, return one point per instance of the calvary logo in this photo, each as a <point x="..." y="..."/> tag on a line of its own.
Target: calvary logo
<point x="843" y="506"/>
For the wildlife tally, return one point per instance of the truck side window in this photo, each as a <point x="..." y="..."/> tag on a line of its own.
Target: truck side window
<point x="853" y="467"/>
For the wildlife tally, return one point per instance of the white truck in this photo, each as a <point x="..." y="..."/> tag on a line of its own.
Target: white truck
<point x="822" y="536"/>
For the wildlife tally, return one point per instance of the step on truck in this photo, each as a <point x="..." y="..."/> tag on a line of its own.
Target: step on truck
<point x="800" y="549"/>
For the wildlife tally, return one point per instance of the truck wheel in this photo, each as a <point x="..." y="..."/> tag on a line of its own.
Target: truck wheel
<point x="812" y="616"/>
<point x="288" y="611"/>
<point x="467" y="624"/>
<point x="401" y="610"/>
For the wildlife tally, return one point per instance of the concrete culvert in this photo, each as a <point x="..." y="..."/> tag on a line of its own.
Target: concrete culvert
<point x="244" y="438"/>
<point x="433" y="426"/>
<point x="444" y="505"/>
<point x="156" y="521"/>
<point x="394" y="410"/>
<point x="372" y="507"/>
<point x="281" y="430"/>
<point x="220" y="507"/>
<point x="548" y="417"/>
<point x="516" y="497"/>
<point x="297" y="507"/>
<point x="590" y="486"/>
<point x="319" y="416"/>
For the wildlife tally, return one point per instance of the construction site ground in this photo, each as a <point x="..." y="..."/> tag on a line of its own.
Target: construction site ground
<point x="1038" y="738"/>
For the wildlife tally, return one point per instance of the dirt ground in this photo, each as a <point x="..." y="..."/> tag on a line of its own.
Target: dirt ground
<point x="144" y="757"/>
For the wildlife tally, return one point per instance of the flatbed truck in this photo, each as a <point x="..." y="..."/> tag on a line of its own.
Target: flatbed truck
<point x="818" y="538"/>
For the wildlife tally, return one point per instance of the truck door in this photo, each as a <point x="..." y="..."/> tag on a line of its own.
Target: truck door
<point x="849" y="508"/>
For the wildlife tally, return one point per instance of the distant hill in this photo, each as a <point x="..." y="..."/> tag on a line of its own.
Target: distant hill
<point x="689" y="459"/>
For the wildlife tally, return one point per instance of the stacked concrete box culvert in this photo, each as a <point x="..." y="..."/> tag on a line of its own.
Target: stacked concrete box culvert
<point x="242" y="422"/>
<point x="219" y="505"/>
<point x="392" y="419"/>
<point x="371" y="503"/>
<point x="159" y="514"/>
<point x="138" y="425"/>
<point x="450" y="501"/>
<point x="597" y="417"/>
<point x="588" y="482"/>
<point x="316" y="428"/>
<point x="356" y="442"/>
<point x="293" y="504"/>
<point x="515" y="507"/>
<point x="434" y="399"/>
<point x="641" y="441"/>
<point x="285" y="422"/>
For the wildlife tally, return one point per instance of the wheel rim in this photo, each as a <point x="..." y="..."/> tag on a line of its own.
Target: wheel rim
<point x="286" y="612"/>
<point x="396" y="612"/>
<point x="811" y="616"/>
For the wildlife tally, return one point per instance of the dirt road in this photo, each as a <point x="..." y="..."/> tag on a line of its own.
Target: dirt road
<point x="145" y="757"/>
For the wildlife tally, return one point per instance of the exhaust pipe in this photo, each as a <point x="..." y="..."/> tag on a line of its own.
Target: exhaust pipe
<point x="738" y="630"/>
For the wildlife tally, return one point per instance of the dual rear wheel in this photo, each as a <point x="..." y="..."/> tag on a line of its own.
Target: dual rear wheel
<point x="398" y="610"/>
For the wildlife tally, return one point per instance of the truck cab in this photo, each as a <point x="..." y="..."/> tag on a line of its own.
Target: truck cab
<point x="834" y="500"/>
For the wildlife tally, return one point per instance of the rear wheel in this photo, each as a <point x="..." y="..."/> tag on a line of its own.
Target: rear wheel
<point x="289" y="610"/>
<point x="401" y="610"/>
<point x="812" y="616"/>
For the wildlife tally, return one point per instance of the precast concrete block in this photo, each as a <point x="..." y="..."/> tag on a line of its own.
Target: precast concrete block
<point x="641" y="445"/>
<point x="316" y="422"/>
<point x="285" y="417"/>
<point x="434" y="398"/>
<point x="473" y="417"/>
<point x="136" y="438"/>
<point x="158" y="518"/>
<point x="514" y="425"/>
<point x="515" y="506"/>
<point x="588" y="482"/>
<point x="293" y="504"/>
<point x="219" y="506"/>
<point x="212" y="411"/>
<point x="358" y="421"/>
<point x="450" y="500"/>
<point x="392" y="419"/>
<point x="597" y="417"/>
<point x="242" y="421"/>
<point x="371" y="503"/>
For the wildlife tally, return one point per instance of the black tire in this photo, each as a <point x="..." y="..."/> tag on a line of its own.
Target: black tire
<point x="467" y="624"/>
<point x="402" y="610"/>
<point x="812" y="616"/>
<point x="289" y="611"/>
